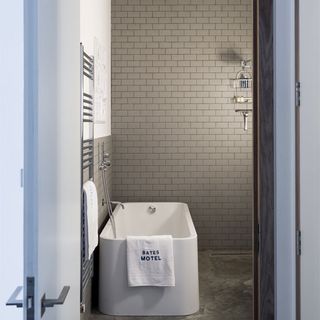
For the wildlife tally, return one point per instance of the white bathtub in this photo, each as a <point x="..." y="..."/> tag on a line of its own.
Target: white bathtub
<point x="115" y="296"/>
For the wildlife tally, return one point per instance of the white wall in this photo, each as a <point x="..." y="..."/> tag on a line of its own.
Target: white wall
<point x="95" y="22"/>
<point x="11" y="159"/>
<point x="285" y="159"/>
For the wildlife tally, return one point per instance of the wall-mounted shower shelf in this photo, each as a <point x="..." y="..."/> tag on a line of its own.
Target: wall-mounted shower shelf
<point x="242" y="99"/>
<point x="243" y="110"/>
<point x="242" y="83"/>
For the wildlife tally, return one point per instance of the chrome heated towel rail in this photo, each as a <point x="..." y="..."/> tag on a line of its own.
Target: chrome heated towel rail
<point x="87" y="155"/>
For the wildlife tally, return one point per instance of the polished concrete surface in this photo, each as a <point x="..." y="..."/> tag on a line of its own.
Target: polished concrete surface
<point x="225" y="289"/>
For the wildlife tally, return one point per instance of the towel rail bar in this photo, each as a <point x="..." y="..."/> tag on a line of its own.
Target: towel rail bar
<point x="87" y="95"/>
<point x="87" y="141"/>
<point x="87" y="101"/>
<point x="89" y="75"/>
<point x="87" y="148"/>
<point x="86" y="56"/>
<point x="84" y="154"/>
<point x="89" y="69"/>
<point x="87" y="60"/>
<point x="87" y="166"/>
<point x="87" y="159"/>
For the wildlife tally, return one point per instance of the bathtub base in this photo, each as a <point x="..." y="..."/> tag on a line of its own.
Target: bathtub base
<point x="116" y="298"/>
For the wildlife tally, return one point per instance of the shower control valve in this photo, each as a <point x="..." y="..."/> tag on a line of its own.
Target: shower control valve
<point x="105" y="164"/>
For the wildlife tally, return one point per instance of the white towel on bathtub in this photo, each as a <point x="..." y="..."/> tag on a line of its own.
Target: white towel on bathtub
<point x="150" y="261"/>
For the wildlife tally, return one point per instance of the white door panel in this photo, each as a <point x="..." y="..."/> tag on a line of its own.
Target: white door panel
<point x="54" y="235"/>
<point x="310" y="157"/>
<point x="11" y="155"/>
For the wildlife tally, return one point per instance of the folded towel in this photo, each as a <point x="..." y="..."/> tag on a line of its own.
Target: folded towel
<point x="90" y="209"/>
<point x="150" y="261"/>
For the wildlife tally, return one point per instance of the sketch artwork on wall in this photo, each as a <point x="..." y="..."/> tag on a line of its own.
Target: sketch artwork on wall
<point x="100" y="82"/>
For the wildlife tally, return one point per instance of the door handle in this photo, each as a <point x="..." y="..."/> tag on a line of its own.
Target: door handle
<point x="49" y="303"/>
<point x="13" y="301"/>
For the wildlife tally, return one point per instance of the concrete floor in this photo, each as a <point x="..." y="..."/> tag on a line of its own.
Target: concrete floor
<point x="225" y="289"/>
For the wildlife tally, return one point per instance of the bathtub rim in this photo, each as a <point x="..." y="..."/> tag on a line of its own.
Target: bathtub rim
<point x="105" y="235"/>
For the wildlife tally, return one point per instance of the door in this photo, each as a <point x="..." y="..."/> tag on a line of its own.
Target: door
<point x="11" y="160"/>
<point x="52" y="159"/>
<point x="309" y="61"/>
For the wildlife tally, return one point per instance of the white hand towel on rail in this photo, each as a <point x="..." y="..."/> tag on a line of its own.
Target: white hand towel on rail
<point x="90" y="207"/>
<point x="150" y="261"/>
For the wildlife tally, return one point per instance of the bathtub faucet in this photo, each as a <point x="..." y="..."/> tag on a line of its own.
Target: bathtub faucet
<point x="118" y="203"/>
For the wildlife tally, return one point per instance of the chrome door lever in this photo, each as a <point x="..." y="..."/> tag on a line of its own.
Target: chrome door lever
<point x="13" y="301"/>
<point x="49" y="303"/>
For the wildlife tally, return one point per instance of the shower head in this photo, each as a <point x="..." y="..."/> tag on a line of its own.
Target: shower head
<point x="230" y="55"/>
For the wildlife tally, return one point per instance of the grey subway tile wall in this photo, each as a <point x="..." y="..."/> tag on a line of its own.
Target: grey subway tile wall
<point x="176" y="135"/>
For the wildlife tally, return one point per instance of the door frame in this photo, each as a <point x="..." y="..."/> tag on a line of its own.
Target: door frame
<point x="307" y="159"/>
<point x="275" y="197"/>
<point x="297" y="159"/>
<point x="264" y="161"/>
<point x="264" y="166"/>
